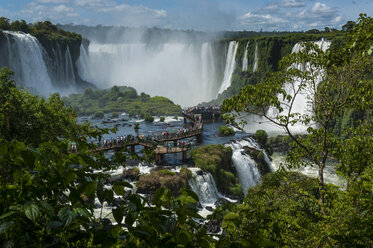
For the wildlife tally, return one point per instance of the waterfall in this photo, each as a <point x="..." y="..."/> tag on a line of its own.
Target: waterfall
<point x="208" y="69"/>
<point x="25" y="58"/>
<point x="245" y="59"/>
<point x="183" y="72"/>
<point x="303" y="100"/>
<point x="230" y="65"/>
<point x="247" y="170"/>
<point x="203" y="184"/>
<point x="69" y="69"/>
<point x="301" y="103"/>
<point x="255" y="67"/>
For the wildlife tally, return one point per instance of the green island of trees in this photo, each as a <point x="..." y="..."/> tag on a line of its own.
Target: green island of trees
<point x="47" y="189"/>
<point x="121" y="99"/>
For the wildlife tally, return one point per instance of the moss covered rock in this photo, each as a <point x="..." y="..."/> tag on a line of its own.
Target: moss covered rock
<point x="131" y="174"/>
<point x="217" y="159"/>
<point x="148" y="184"/>
<point x="226" y="131"/>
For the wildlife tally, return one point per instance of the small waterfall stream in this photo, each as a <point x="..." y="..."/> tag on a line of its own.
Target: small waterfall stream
<point x="246" y="167"/>
<point x="245" y="60"/>
<point x="203" y="184"/>
<point x="255" y="67"/>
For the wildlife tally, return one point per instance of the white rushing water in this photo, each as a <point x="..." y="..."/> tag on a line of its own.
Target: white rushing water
<point x="247" y="170"/>
<point x="25" y="58"/>
<point x="245" y="60"/>
<point x="255" y="67"/>
<point x="203" y="184"/>
<point x="230" y="65"/>
<point x="302" y="102"/>
<point x="185" y="73"/>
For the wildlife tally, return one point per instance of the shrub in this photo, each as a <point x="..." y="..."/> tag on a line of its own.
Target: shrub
<point x="114" y="115"/>
<point x="161" y="119"/>
<point x="185" y="173"/>
<point x="226" y="131"/>
<point x="137" y="125"/>
<point x="261" y="137"/>
<point x="149" y="118"/>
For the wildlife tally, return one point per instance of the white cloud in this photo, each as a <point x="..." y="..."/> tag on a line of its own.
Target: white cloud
<point x="95" y="3"/>
<point x="53" y="1"/>
<point x="293" y="15"/>
<point x="42" y="12"/>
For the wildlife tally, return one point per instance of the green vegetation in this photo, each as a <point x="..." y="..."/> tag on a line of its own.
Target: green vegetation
<point x="46" y="189"/>
<point x="41" y="30"/>
<point x="284" y="211"/>
<point x="217" y="160"/>
<point x="114" y="115"/>
<point x="226" y="131"/>
<point x="346" y="84"/>
<point x="148" y="118"/>
<point x="161" y="119"/>
<point x="121" y="99"/>
<point x="136" y="126"/>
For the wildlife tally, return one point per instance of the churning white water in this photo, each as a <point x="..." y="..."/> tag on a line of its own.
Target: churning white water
<point x="255" y="67"/>
<point x="230" y="65"/>
<point x="203" y="184"/>
<point x="25" y="58"/>
<point x="245" y="60"/>
<point x="185" y="73"/>
<point x="247" y="170"/>
<point x="302" y="101"/>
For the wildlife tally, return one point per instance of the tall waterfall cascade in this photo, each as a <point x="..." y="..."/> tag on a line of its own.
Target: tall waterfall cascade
<point x="230" y="65"/>
<point x="301" y="105"/>
<point x="246" y="167"/>
<point x="183" y="72"/>
<point x="303" y="100"/>
<point x="203" y="185"/>
<point x="245" y="60"/>
<point x="255" y="67"/>
<point x="23" y="54"/>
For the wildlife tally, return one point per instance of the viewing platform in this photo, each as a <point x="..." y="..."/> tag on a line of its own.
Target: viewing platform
<point x="171" y="139"/>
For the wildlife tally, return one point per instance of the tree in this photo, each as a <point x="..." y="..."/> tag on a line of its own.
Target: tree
<point x="47" y="189"/>
<point x="331" y="82"/>
<point x="4" y="23"/>
<point x="20" y="26"/>
<point x="348" y="26"/>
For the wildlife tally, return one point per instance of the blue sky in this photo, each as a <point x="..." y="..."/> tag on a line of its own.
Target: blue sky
<point x="192" y="14"/>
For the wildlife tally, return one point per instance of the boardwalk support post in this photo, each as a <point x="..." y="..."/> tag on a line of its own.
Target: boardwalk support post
<point x="185" y="120"/>
<point x="132" y="148"/>
<point x="184" y="156"/>
<point x="199" y="138"/>
<point x="158" y="158"/>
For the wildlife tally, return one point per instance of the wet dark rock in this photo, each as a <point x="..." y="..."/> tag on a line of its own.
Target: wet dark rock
<point x="221" y="201"/>
<point x="209" y="208"/>
<point x="213" y="226"/>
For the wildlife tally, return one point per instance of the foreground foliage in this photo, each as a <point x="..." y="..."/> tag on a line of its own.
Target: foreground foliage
<point x="47" y="191"/>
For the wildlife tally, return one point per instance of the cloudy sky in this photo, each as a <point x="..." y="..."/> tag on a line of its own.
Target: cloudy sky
<point x="192" y="14"/>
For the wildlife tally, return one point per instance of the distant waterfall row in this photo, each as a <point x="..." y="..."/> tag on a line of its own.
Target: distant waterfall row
<point x="185" y="73"/>
<point x="33" y="68"/>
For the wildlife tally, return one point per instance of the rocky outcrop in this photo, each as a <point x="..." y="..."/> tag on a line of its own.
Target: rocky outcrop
<point x="258" y="157"/>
